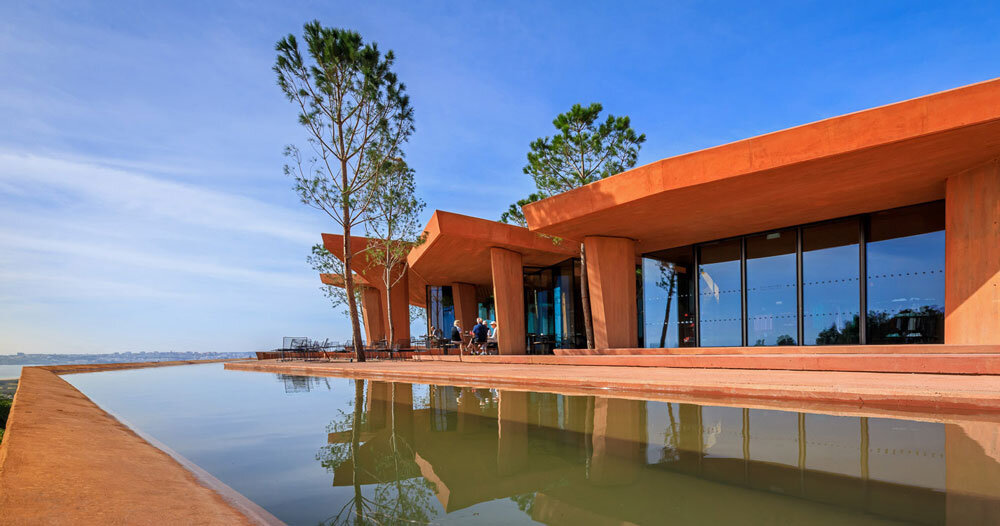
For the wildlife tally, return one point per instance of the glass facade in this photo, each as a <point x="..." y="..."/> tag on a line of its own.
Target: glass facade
<point x="802" y="285"/>
<point x="905" y="270"/>
<point x="666" y="299"/>
<point x="440" y="310"/>
<point x="772" y="298"/>
<point x="720" y="300"/>
<point x="553" y="318"/>
<point x="831" y="290"/>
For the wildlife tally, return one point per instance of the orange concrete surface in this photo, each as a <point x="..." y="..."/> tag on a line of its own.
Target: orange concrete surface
<point x="972" y="256"/>
<point x="373" y="312"/>
<point x="974" y="397"/>
<point x="457" y="248"/>
<point x="880" y="158"/>
<point x="400" y="297"/>
<point x="914" y="348"/>
<point x="369" y="272"/>
<point x="611" y="281"/>
<point x="508" y="298"/>
<point x="337" y="280"/>
<point x="466" y="307"/>
<point x="63" y="460"/>
<point x="801" y="361"/>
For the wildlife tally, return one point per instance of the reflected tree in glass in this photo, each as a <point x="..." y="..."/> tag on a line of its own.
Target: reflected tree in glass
<point x="831" y="292"/>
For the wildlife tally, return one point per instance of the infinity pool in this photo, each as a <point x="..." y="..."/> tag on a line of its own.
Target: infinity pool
<point x="316" y="450"/>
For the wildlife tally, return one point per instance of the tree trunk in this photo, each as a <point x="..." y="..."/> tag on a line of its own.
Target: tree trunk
<point x="352" y="304"/>
<point x="388" y="310"/>
<point x="588" y="324"/>
<point x="666" y="314"/>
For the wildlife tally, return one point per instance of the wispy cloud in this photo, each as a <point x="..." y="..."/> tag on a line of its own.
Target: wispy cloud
<point x="148" y="195"/>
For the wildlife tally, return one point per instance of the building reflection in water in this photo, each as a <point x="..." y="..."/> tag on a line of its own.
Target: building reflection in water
<point x="597" y="460"/>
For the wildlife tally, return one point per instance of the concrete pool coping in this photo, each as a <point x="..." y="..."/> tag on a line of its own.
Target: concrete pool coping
<point x="931" y="397"/>
<point x="64" y="460"/>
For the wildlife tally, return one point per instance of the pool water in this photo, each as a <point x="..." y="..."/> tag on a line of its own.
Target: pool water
<point x="314" y="450"/>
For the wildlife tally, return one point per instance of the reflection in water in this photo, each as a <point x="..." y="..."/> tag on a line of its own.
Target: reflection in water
<point x="303" y="384"/>
<point x="594" y="460"/>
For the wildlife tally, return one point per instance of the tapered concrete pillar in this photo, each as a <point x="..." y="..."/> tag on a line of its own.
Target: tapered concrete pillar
<point x="400" y="297"/>
<point x="611" y="278"/>
<point x="371" y="311"/>
<point x="972" y="256"/>
<point x="619" y="441"/>
<point x="512" y="429"/>
<point x="466" y="308"/>
<point x="508" y="294"/>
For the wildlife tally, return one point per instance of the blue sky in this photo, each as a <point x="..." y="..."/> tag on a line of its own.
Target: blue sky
<point x="142" y="204"/>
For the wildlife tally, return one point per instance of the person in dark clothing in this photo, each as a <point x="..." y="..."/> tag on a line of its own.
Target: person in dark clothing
<point x="481" y="332"/>
<point x="456" y="331"/>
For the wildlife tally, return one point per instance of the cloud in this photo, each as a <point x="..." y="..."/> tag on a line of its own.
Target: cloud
<point x="138" y="193"/>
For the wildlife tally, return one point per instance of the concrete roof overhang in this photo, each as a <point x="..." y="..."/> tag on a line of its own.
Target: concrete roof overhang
<point x="337" y="280"/>
<point x="876" y="159"/>
<point x="457" y="249"/>
<point x="366" y="273"/>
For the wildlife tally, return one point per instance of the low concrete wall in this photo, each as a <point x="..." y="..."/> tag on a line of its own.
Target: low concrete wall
<point x="64" y="460"/>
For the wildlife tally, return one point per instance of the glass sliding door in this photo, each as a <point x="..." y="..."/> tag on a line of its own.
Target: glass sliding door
<point x="441" y="310"/>
<point x="720" y="300"/>
<point x="772" y="294"/>
<point x="905" y="268"/>
<point x="667" y="294"/>
<point x="831" y="290"/>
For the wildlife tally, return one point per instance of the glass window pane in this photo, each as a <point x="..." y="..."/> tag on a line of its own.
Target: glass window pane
<point x="905" y="265"/>
<point x="831" y="294"/>
<point x="771" y="293"/>
<point x="440" y="310"/>
<point x="720" y="306"/>
<point x="667" y="289"/>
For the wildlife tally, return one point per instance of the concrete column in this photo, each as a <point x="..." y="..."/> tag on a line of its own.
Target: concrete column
<point x="371" y="311"/>
<point x="400" y="309"/>
<point x="512" y="432"/>
<point x="611" y="278"/>
<point x="972" y="256"/>
<point x="508" y="293"/>
<point x="466" y="308"/>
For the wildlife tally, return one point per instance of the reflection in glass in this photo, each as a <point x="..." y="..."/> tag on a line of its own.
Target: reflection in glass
<point x="551" y="307"/>
<point x="905" y="268"/>
<point x="667" y="289"/>
<point x="772" y="298"/>
<point x="831" y="296"/>
<point x="720" y="306"/>
<point x="440" y="310"/>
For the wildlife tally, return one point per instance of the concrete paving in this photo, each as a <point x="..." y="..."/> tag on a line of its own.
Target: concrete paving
<point x="63" y="460"/>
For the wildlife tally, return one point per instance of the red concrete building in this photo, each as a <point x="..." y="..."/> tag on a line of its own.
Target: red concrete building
<point x="876" y="232"/>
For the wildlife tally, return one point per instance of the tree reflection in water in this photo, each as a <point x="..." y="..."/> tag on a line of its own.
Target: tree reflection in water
<point x="399" y="494"/>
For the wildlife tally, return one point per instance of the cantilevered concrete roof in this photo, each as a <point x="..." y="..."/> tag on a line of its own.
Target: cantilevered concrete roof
<point x="366" y="273"/>
<point x="457" y="249"/>
<point x="337" y="280"/>
<point x="871" y="160"/>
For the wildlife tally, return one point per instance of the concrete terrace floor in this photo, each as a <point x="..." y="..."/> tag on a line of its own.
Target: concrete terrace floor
<point x="920" y="396"/>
